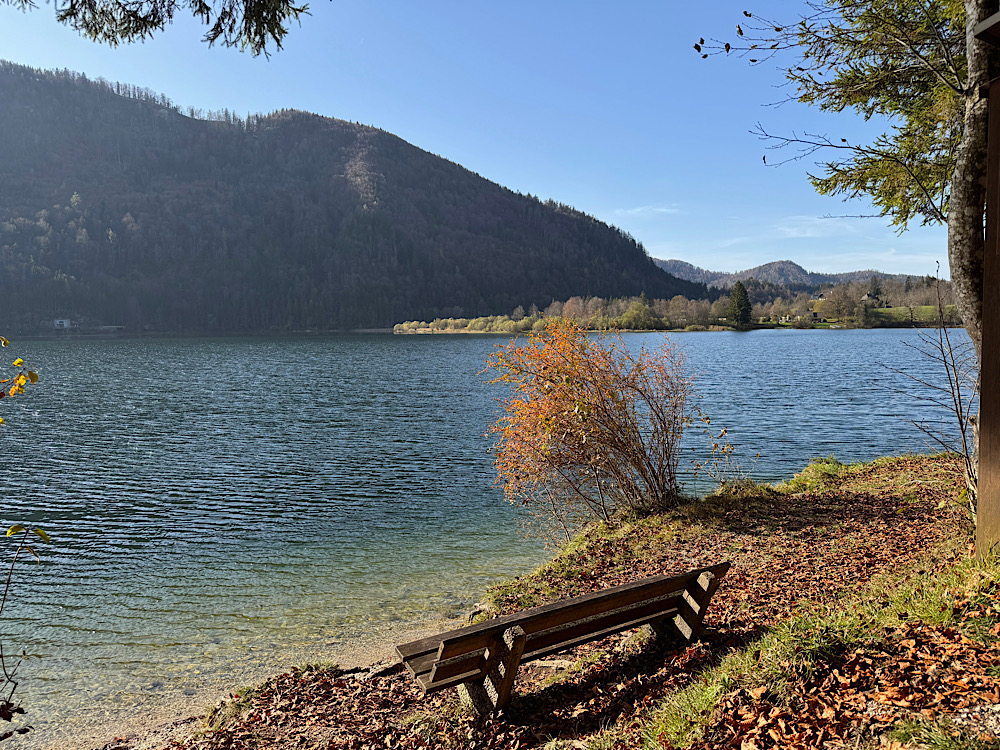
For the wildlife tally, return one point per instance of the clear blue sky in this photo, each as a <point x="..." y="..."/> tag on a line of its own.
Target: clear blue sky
<point x="604" y="106"/>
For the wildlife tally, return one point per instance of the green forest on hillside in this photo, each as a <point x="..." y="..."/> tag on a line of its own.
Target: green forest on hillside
<point x="116" y="209"/>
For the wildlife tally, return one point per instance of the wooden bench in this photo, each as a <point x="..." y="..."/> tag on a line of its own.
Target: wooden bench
<point x="482" y="660"/>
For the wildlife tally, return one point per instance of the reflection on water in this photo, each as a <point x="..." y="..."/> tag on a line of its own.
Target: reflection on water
<point x="226" y="508"/>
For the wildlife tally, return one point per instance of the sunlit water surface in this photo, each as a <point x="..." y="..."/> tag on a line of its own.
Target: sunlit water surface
<point x="223" y="509"/>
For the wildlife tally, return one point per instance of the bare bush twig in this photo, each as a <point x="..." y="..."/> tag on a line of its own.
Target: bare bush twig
<point x="958" y="396"/>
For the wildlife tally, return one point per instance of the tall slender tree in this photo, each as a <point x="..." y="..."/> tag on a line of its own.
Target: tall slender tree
<point x="739" y="305"/>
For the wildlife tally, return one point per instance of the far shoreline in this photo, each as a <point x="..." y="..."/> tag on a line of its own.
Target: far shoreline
<point x="426" y="330"/>
<point x="712" y="329"/>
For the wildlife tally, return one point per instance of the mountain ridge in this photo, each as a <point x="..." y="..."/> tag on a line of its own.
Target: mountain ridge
<point x="117" y="209"/>
<point x="784" y="272"/>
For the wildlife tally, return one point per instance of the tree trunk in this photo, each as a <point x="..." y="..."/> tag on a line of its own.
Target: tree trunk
<point x="967" y="203"/>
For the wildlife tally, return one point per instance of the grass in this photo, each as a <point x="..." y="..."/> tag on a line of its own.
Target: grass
<point x="793" y="648"/>
<point x="319" y="666"/>
<point x="636" y="540"/>
<point x="580" y="559"/>
<point x="937" y="735"/>
<point x="684" y="718"/>
<point x="821" y="628"/>
<point x="819" y="474"/>
<point x="430" y="726"/>
<point x="228" y="711"/>
<point x="919" y="314"/>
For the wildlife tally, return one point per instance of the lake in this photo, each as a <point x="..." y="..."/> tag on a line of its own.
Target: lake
<point x="222" y="509"/>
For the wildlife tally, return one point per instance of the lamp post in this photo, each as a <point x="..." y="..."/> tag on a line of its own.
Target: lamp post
<point x="988" y="509"/>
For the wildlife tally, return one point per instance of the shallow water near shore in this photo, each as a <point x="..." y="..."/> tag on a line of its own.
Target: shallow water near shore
<point x="224" y="509"/>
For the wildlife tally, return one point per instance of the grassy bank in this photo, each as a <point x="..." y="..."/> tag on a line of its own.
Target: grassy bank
<point x="853" y="616"/>
<point x="916" y="315"/>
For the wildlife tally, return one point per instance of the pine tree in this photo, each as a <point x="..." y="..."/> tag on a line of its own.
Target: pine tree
<point x="256" y="27"/>
<point x="875" y="287"/>
<point x="739" y="306"/>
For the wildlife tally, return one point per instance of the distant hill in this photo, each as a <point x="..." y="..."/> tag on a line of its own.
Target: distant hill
<point x="783" y="272"/>
<point x="117" y="209"/>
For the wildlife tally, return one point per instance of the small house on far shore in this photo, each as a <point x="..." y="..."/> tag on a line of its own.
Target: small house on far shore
<point x="61" y="323"/>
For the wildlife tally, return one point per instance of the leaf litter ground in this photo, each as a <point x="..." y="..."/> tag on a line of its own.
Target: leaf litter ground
<point x="814" y="544"/>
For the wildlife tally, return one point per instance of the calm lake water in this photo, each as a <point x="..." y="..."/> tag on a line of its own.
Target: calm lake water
<point x="223" y="509"/>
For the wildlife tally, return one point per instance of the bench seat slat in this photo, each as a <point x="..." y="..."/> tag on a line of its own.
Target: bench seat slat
<point x="459" y="672"/>
<point x="550" y="615"/>
<point x="424" y="681"/>
<point x="422" y="663"/>
<point x="418" y="648"/>
<point x="473" y="662"/>
<point x="543" y="647"/>
<point x="546" y="639"/>
<point x="654" y="609"/>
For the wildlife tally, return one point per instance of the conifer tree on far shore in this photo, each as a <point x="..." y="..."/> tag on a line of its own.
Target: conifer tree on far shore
<point x="739" y="306"/>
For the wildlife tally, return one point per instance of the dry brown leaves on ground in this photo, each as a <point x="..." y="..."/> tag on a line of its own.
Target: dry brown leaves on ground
<point x="786" y="550"/>
<point x="917" y="672"/>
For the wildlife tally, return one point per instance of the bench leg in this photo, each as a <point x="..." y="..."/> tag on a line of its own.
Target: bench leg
<point x="687" y="623"/>
<point x="493" y="691"/>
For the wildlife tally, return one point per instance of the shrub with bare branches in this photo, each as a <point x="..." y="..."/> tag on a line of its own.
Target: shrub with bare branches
<point x="591" y="427"/>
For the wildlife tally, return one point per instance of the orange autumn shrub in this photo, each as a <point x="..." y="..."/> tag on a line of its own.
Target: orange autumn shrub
<point x="590" y="427"/>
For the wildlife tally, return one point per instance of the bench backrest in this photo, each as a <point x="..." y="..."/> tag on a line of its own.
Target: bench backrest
<point x="460" y="655"/>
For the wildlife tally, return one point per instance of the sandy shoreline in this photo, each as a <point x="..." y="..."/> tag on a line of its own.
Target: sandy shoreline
<point x="151" y="728"/>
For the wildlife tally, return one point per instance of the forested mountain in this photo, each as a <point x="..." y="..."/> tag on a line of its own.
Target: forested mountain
<point x="118" y="209"/>
<point x="783" y="272"/>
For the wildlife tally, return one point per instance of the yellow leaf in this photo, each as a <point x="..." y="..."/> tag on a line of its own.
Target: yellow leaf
<point x="13" y="390"/>
<point x="18" y="362"/>
<point x="41" y="535"/>
<point x="4" y="342"/>
<point x="32" y="376"/>
<point x="15" y="529"/>
<point x="5" y="381"/>
<point x="20" y="380"/>
<point x="1" y="420"/>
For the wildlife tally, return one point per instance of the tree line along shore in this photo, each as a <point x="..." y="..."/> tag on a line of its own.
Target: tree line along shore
<point x="876" y="303"/>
